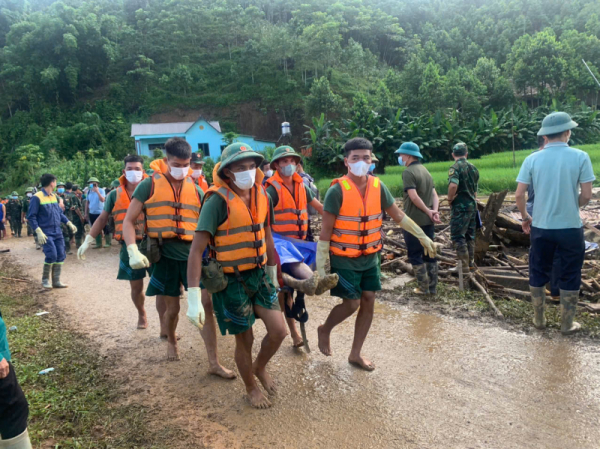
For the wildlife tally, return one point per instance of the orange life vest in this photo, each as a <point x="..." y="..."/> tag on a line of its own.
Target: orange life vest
<point x="171" y="214"/>
<point x="357" y="228"/>
<point x="120" y="210"/>
<point x="239" y="243"/>
<point x="201" y="182"/>
<point x="291" y="215"/>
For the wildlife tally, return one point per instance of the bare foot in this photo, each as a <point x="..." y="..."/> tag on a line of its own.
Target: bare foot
<point x="257" y="399"/>
<point x="361" y="362"/>
<point x="324" y="345"/>
<point x="297" y="341"/>
<point x="142" y="321"/>
<point x="164" y="336"/>
<point x="173" y="353"/>
<point x="266" y="380"/>
<point x="221" y="371"/>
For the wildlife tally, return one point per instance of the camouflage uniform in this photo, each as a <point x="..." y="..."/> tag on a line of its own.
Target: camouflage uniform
<point x="72" y="215"/>
<point x="24" y="211"/>
<point x="464" y="209"/>
<point x="13" y="210"/>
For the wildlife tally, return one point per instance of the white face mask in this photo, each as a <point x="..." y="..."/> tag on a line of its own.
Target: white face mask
<point x="29" y="195"/>
<point x="196" y="173"/>
<point x="360" y="168"/>
<point x="245" y="180"/>
<point x="133" y="176"/>
<point x="179" y="172"/>
<point x="269" y="173"/>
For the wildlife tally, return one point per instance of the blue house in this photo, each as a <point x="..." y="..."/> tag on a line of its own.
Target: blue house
<point x="203" y="135"/>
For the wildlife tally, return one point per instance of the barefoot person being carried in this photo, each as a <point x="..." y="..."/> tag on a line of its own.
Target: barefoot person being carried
<point x="235" y="222"/>
<point x="351" y="233"/>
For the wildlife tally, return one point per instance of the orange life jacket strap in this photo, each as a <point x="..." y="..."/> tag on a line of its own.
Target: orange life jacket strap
<point x="173" y="217"/>
<point x="361" y="219"/>
<point x="363" y="233"/>
<point x="258" y="261"/>
<point x="251" y="228"/>
<point x="178" y="231"/>
<point x="291" y="211"/>
<point x="364" y="246"/>
<point x="235" y="246"/>
<point x="172" y="204"/>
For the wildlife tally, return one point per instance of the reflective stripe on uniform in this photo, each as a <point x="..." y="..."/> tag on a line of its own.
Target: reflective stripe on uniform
<point x="255" y="244"/>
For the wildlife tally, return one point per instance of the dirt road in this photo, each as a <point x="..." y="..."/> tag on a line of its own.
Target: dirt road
<point x="439" y="383"/>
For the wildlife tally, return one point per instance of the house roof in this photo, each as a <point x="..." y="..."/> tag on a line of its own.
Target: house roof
<point x="146" y="129"/>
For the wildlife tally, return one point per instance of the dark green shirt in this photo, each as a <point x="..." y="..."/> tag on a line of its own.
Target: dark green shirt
<point x="465" y="176"/>
<point x="332" y="204"/>
<point x="172" y="248"/>
<point x="416" y="177"/>
<point x="214" y="214"/>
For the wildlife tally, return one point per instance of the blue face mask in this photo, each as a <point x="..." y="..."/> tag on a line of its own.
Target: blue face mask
<point x="61" y="190"/>
<point x="15" y="197"/>
<point x="288" y="170"/>
<point x="400" y="161"/>
<point x="91" y="186"/>
<point x="372" y="167"/>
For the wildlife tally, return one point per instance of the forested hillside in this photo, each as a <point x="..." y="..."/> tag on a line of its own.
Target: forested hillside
<point x="75" y="74"/>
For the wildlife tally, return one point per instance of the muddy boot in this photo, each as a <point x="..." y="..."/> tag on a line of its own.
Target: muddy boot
<point x="432" y="274"/>
<point x="98" y="242"/>
<point x="107" y="240"/>
<point x="463" y="255"/>
<point x="327" y="283"/>
<point x="46" y="275"/>
<point x="306" y="286"/>
<point x="68" y="246"/>
<point x="56" y="270"/>
<point x="538" y="300"/>
<point x="568" y="307"/>
<point x="422" y="279"/>
<point x="471" y="251"/>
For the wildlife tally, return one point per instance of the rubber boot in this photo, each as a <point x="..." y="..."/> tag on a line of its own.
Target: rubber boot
<point x="422" y="279"/>
<point x="327" y="283"/>
<point x="56" y="270"/>
<point x="538" y="300"/>
<point x="568" y="307"/>
<point x="107" y="240"/>
<point x="68" y="246"/>
<point x="98" y="242"/>
<point x="19" y="442"/>
<point x="306" y="286"/>
<point x="37" y="245"/>
<point x="46" y="275"/>
<point x="471" y="251"/>
<point x="432" y="274"/>
<point x="463" y="255"/>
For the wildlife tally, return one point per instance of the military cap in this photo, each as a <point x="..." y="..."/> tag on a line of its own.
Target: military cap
<point x="555" y="123"/>
<point x="237" y="152"/>
<point x="460" y="149"/>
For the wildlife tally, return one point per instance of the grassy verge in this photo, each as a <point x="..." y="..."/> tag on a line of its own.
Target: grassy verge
<point x="78" y="404"/>
<point x="517" y="313"/>
<point x="496" y="172"/>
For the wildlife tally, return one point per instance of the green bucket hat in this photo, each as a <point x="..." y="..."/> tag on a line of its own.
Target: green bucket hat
<point x="14" y="194"/>
<point x="236" y="152"/>
<point x="410" y="149"/>
<point x="197" y="158"/>
<point x="460" y="149"/>
<point x="75" y="187"/>
<point x="115" y="183"/>
<point x="60" y="184"/>
<point x="284" y="151"/>
<point x="29" y="189"/>
<point x="374" y="158"/>
<point x="555" y="123"/>
<point x="93" y="179"/>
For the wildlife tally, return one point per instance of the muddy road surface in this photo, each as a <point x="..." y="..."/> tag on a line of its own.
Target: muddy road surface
<point x="440" y="382"/>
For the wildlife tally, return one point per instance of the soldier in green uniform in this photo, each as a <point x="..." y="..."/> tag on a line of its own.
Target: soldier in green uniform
<point x="13" y="210"/>
<point x="75" y="212"/>
<point x="66" y="204"/>
<point x="462" y="196"/>
<point x="24" y="210"/>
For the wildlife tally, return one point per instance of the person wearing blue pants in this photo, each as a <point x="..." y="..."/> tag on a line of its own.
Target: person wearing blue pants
<point x="45" y="216"/>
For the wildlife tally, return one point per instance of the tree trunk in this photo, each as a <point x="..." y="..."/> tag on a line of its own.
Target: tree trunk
<point x="488" y="218"/>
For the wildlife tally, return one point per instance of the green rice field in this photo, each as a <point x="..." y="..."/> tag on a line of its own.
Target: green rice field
<point x="496" y="172"/>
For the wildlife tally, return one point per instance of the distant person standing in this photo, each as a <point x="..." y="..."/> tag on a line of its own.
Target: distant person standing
<point x="2" y="221"/>
<point x="94" y="206"/>
<point x="463" y="178"/>
<point x="421" y="204"/>
<point x="557" y="174"/>
<point x="197" y="166"/>
<point x="13" y="208"/>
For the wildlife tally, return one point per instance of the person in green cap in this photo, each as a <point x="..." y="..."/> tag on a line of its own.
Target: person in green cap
<point x="557" y="173"/>
<point x="421" y="204"/>
<point x="463" y="178"/>
<point x="235" y="223"/>
<point x="93" y="208"/>
<point x="14" y="209"/>
<point x="290" y="198"/>
<point x="24" y="209"/>
<point x="65" y="202"/>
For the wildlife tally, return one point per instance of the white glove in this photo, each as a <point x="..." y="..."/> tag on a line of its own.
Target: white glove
<point x="72" y="227"/>
<point x="322" y="256"/>
<point x="136" y="259"/>
<point x="272" y="273"/>
<point x="415" y="229"/>
<point x="42" y="239"/>
<point x="84" y="247"/>
<point x="195" y="311"/>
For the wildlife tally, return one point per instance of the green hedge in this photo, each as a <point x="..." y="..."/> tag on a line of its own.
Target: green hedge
<point x="496" y="172"/>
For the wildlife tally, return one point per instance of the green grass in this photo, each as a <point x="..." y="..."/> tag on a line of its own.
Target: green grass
<point x="79" y="404"/>
<point x="496" y="172"/>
